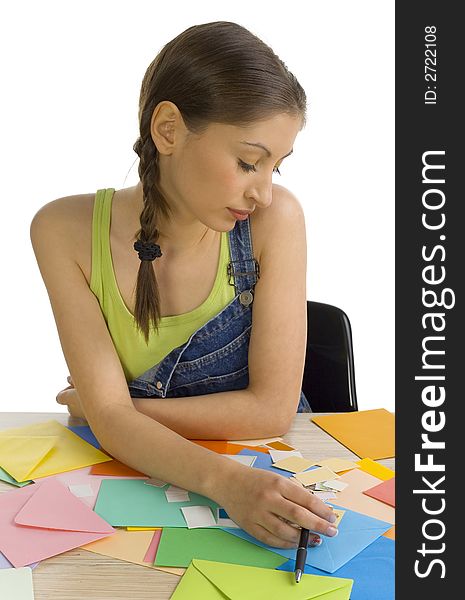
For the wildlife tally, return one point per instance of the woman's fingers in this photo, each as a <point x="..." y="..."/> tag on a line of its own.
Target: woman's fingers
<point x="306" y="518"/>
<point x="302" y="497"/>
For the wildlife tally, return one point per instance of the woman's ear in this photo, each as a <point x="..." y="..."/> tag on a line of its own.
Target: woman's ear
<point x="167" y="127"/>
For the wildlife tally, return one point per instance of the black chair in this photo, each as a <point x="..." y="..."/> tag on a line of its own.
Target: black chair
<point x="329" y="377"/>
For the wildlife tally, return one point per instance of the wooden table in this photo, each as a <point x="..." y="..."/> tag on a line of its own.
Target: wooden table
<point x="79" y="574"/>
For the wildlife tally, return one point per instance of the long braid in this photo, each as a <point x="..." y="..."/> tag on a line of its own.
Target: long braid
<point x="147" y="307"/>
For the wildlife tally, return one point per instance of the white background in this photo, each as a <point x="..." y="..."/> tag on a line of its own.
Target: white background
<point x="71" y="79"/>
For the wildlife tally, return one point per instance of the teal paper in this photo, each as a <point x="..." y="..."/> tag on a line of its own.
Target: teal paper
<point x="133" y="503"/>
<point x="4" y="476"/>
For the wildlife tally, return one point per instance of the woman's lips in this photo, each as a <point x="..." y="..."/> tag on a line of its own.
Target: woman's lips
<point x="239" y="215"/>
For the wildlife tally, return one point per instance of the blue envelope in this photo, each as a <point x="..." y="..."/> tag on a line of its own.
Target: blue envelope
<point x="86" y="433"/>
<point x="264" y="461"/>
<point x="372" y="570"/>
<point x="356" y="532"/>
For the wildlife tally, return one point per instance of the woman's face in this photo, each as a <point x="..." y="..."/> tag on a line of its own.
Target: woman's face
<point x="226" y="167"/>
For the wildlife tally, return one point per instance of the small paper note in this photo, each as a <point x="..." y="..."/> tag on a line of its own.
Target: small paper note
<point x="280" y="446"/>
<point x="294" y="464"/>
<point x="223" y="520"/>
<point x="324" y="495"/>
<point x="280" y="454"/>
<point x="315" y="476"/>
<point x="340" y="513"/>
<point x="16" y="584"/>
<point x="198" y="516"/>
<point x="175" y="494"/>
<point x="335" y="484"/>
<point x="337" y="464"/>
<point x="81" y="491"/>
<point x="155" y="482"/>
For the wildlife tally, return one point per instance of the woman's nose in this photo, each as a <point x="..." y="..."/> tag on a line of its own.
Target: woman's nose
<point x="261" y="195"/>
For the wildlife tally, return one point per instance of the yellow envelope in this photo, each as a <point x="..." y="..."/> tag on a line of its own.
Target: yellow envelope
<point x="129" y="546"/>
<point x="211" y="580"/>
<point x="375" y="469"/>
<point x="352" y="496"/>
<point x="367" y="433"/>
<point x="20" y="454"/>
<point x="68" y="453"/>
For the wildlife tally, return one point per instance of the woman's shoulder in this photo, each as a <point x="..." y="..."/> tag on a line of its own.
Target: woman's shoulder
<point x="276" y="223"/>
<point x="72" y="216"/>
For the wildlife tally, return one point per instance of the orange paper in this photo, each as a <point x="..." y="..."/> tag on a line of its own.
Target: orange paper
<point x="224" y="447"/>
<point x="115" y="468"/>
<point x="368" y="433"/>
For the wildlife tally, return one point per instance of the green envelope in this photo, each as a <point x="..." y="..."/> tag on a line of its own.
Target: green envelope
<point x="132" y="503"/>
<point x="221" y="581"/>
<point x="178" y="546"/>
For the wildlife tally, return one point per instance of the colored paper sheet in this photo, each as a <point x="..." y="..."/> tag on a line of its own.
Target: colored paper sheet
<point x="198" y="516"/>
<point x="53" y="506"/>
<point x="116" y="469"/>
<point x="294" y="464"/>
<point x="367" y="433"/>
<point x="129" y="502"/>
<point x="16" y="584"/>
<point x="70" y="451"/>
<point x="20" y="454"/>
<point x="356" y="532"/>
<point x="375" y="469"/>
<point x="5" y="563"/>
<point x="149" y="556"/>
<point x="391" y="533"/>
<point x="210" y="580"/>
<point x="130" y="546"/>
<point x="384" y="492"/>
<point x="263" y="461"/>
<point x="337" y="464"/>
<point x="223" y="447"/>
<point x="372" y="570"/>
<point x="257" y="442"/>
<point x="353" y="497"/>
<point x="279" y="445"/>
<point x="315" y="475"/>
<point x="4" y="476"/>
<point x="178" y="546"/>
<point x="23" y="545"/>
<point x="85" y="433"/>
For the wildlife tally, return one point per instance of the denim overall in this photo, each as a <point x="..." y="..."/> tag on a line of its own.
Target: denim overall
<point x="215" y="357"/>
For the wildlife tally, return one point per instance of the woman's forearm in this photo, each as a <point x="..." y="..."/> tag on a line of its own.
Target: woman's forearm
<point x="155" y="450"/>
<point x="230" y="415"/>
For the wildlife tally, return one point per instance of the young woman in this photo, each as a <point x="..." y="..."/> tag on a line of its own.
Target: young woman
<point x="174" y="326"/>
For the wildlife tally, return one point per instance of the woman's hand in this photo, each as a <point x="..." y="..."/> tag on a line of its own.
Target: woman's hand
<point x="268" y="506"/>
<point x="69" y="397"/>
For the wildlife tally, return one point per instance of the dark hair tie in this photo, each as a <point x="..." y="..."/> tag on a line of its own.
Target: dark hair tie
<point x="147" y="251"/>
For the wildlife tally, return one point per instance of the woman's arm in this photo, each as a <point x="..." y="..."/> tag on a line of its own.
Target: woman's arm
<point x="277" y="345"/>
<point x="257" y="500"/>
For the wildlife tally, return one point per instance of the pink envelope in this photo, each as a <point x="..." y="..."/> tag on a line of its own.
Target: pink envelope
<point x="45" y="519"/>
<point x="385" y="492"/>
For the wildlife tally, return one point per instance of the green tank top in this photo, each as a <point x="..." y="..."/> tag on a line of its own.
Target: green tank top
<point x="135" y="355"/>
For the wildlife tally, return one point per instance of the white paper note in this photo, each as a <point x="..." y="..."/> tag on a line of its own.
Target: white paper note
<point x="198" y="516"/>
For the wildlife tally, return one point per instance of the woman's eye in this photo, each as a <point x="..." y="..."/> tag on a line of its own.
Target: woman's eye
<point x="246" y="167"/>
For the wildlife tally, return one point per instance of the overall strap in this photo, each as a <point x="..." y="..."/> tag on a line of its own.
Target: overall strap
<point x="243" y="269"/>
